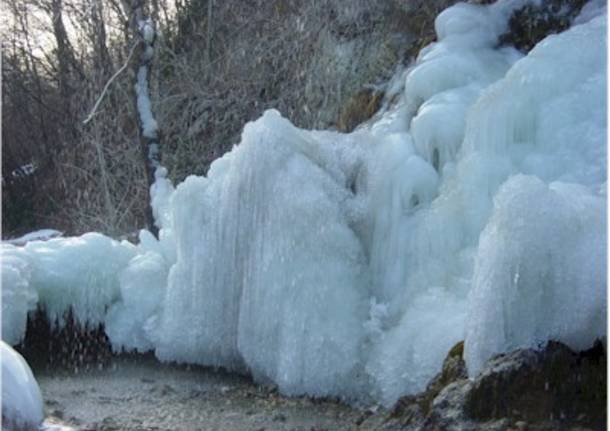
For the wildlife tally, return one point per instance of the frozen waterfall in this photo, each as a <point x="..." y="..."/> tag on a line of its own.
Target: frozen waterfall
<point x="472" y="206"/>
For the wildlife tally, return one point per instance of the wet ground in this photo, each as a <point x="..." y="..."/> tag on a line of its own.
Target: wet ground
<point x="143" y="395"/>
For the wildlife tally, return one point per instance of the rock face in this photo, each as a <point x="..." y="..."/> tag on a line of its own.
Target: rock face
<point x="553" y="388"/>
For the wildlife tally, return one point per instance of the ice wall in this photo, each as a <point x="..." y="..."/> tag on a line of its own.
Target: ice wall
<point x="265" y="252"/>
<point x="541" y="263"/>
<point x="421" y="253"/>
<point x="470" y="207"/>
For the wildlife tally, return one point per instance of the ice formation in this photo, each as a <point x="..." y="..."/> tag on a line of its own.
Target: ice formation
<point x="473" y="207"/>
<point x="132" y="322"/>
<point x="18" y="297"/>
<point x="262" y="292"/>
<point x="80" y="273"/>
<point x="539" y="270"/>
<point x="21" y="398"/>
<point x="39" y="235"/>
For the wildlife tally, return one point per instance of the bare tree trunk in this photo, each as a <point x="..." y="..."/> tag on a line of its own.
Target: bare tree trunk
<point x="208" y="48"/>
<point x="102" y="58"/>
<point x="63" y="52"/>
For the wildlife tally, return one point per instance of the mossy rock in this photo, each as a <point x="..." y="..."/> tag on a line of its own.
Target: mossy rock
<point x="456" y="351"/>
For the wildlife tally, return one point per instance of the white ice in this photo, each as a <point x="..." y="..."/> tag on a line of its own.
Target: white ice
<point x="41" y="235"/>
<point x="539" y="272"/>
<point x="22" y="407"/>
<point x="81" y="273"/>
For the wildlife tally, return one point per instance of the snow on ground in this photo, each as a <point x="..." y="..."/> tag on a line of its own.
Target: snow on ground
<point x="349" y="264"/>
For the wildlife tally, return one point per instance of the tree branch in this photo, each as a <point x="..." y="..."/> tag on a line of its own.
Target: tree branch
<point x="112" y="78"/>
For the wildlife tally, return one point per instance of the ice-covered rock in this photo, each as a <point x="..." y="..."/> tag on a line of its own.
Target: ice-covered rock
<point x="22" y="408"/>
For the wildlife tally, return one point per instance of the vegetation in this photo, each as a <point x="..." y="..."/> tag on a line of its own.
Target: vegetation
<point x="217" y="65"/>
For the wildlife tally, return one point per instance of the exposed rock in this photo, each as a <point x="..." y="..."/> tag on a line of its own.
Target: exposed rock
<point x="359" y="108"/>
<point x="553" y="388"/>
<point x="533" y="22"/>
<point x="553" y="383"/>
<point x="411" y="411"/>
<point x="454" y="369"/>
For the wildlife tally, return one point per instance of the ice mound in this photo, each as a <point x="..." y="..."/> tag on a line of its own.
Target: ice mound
<point x="21" y="399"/>
<point x="540" y="271"/>
<point x="101" y="280"/>
<point x="260" y="268"/>
<point x="81" y="273"/>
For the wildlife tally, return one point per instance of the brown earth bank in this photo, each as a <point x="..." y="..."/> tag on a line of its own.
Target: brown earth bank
<point x="553" y="388"/>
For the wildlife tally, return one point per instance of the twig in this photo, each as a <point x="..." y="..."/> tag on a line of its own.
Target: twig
<point x="118" y="72"/>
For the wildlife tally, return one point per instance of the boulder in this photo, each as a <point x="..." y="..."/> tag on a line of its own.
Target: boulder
<point x="551" y="388"/>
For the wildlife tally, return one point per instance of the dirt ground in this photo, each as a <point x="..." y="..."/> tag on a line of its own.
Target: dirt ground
<point x="143" y="395"/>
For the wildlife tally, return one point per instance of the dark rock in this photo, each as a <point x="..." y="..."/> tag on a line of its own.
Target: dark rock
<point x="552" y="383"/>
<point x="533" y="22"/>
<point x="279" y="417"/>
<point x="553" y="388"/>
